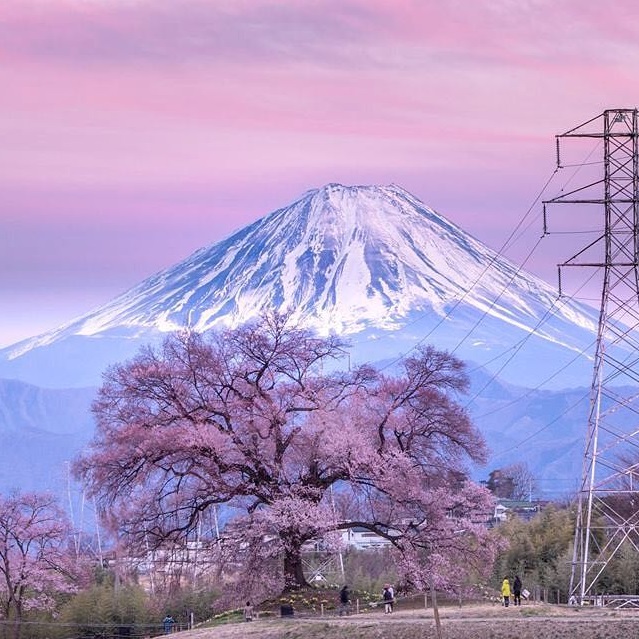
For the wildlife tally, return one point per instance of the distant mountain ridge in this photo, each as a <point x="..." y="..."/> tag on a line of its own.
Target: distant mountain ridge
<point x="43" y="430"/>
<point x="369" y="262"/>
<point x="40" y="431"/>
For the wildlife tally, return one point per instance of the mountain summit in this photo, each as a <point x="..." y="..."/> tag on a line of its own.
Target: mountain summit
<point x="370" y="261"/>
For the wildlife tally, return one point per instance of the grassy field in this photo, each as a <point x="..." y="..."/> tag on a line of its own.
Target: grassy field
<point x="531" y="621"/>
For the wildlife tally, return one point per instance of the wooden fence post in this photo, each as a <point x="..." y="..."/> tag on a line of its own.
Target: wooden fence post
<point x="433" y="596"/>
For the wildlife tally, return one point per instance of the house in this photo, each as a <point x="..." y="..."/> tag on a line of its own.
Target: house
<point x="363" y="539"/>
<point x="505" y="508"/>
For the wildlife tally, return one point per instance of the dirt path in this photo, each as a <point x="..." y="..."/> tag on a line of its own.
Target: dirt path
<point x="474" y="622"/>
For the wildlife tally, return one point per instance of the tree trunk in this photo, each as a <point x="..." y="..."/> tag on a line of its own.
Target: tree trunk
<point x="15" y="621"/>
<point x="293" y="571"/>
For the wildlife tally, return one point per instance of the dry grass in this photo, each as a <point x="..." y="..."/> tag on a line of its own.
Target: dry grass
<point x="531" y="621"/>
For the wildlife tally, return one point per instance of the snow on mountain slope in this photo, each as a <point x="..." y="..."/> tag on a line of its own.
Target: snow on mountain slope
<point x="341" y="259"/>
<point x="372" y="263"/>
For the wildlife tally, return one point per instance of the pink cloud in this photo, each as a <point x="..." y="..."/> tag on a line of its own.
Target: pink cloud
<point x="316" y="32"/>
<point x="138" y="91"/>
<point x="193" y="117"/>
<point x="179" y="31"/>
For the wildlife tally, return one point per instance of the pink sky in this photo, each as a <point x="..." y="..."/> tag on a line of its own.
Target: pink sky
<point x="133" y="132"/>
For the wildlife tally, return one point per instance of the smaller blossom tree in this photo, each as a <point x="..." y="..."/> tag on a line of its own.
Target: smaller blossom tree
<point x="35" y="562"/>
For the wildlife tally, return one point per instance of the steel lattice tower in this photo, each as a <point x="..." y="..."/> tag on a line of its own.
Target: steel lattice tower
<point x="608" y="506"/>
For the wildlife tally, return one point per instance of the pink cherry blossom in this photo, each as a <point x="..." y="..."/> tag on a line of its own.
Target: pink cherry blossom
<point x="35" y="562"/>
<point x="260" y="422"/>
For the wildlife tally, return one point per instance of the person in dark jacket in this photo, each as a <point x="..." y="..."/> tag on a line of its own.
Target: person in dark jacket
<point x="168" y="622"/>
<point x="517" y="591"/>
<point x="344" y="601"/>
<point x="387" y="596"/>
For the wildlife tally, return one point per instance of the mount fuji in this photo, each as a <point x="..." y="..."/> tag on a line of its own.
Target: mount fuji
<point x="371" y="263"/>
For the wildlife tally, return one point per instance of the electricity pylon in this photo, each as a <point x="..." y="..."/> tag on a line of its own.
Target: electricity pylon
<point x="608" y="507"/>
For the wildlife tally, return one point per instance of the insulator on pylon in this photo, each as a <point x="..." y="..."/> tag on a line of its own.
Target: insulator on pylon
<point x="545" y="221"/>
<point x="559" y="279"/>
<point x="558" y="154"/>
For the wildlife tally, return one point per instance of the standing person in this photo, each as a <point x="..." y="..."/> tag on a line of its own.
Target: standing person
<point x="168" y="622"/>
<point x="505" y="591"/>
<point x="387" y="596"/>
<point x="517" y="591"/>
<point x="392" y="592"/>
<point x="344" y="601"/>
<point x="248" y="611"/>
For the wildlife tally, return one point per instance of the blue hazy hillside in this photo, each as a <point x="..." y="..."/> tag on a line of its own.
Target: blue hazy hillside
<point x="43" y="430"/>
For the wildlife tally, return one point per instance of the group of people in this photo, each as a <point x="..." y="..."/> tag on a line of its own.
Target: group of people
<point x="506" y="591"/>
<point x="388" y="597"/>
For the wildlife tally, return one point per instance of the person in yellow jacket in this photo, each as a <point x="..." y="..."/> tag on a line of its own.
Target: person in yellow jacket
<point x="505" y="591"/>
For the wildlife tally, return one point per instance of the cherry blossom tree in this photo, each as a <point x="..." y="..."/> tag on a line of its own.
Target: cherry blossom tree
<point x="35" y="562"/>
<point x="261" y="420"/>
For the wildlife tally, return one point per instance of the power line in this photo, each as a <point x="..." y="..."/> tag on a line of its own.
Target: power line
<point x="498" y="254"/>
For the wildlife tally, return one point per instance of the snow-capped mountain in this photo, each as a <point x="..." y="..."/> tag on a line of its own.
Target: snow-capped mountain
<point x="369" y="262"/>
